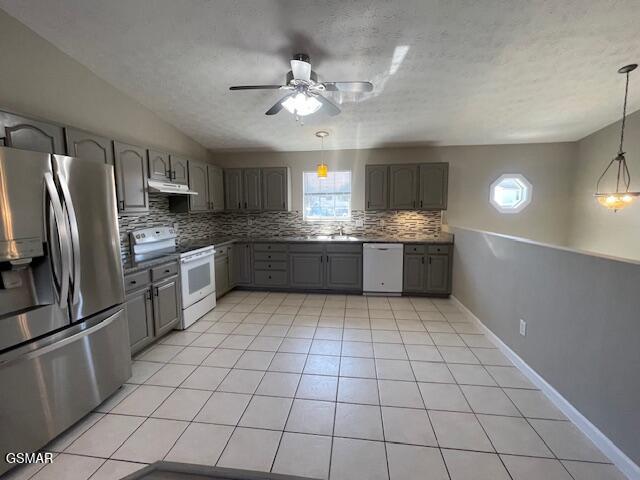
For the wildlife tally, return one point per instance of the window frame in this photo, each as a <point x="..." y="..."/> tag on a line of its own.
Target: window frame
<point x="307" y="218"/>
<point x="527" y="193"/>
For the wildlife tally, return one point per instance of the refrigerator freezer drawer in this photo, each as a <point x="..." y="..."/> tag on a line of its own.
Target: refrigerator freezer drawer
<point x="45" y="391"/>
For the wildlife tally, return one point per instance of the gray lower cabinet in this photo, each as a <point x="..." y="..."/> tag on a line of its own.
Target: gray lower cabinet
<point x="88" y="146"/>
<point x="434" y="178"/>
<point x="427" y="269"/>
<point x="131" y="178"/>
<point x="153" y="303"/>
<point x="223" y="270"/>
<point x="198" y="182"/>
<point x="376" y="187"/>
<point x="215" y="178"/>
<point x="242" y="264"/>
<point x="233" y="198"/>
<point x="275" y="191"/>
<point x="29" y="134"/>
<point x="306" y="270"/>
<point x="252" y="189"/>
<point x="403" y="187"/>
<point x="166" y="305"/>
<point x="139" y="309"/>
<point x="343" y="271"/>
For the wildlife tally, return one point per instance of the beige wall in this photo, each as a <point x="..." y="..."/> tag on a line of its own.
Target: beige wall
<point x="39" y="80"/>
<point x="592" y="227"/>
<point x="472" y="169"/>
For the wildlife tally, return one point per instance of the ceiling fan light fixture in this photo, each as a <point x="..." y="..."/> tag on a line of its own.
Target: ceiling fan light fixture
<point x="301" y="104"/>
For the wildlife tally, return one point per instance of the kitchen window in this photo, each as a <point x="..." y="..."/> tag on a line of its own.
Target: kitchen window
<point x="510" y="193"/>
<point x="326" y="198"/>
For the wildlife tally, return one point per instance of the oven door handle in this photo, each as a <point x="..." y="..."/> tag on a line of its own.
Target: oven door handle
<point x="198" y="258"/>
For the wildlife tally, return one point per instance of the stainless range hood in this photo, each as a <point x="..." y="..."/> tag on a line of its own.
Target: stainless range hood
<point x="169" y="188"/>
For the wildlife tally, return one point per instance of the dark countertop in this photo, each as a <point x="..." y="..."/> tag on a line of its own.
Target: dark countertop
<point x="132" y="266"/>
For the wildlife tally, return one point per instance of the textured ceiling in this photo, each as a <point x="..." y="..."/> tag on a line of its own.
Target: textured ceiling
<point x="445" y="72"/>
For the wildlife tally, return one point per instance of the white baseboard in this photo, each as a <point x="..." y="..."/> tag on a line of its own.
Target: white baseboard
<point x="606" y="446"/>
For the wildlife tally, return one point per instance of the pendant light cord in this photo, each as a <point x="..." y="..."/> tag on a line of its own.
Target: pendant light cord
<point x="624" y="113"/>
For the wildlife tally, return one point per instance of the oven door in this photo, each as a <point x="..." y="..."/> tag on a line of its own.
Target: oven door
<point x="198" y="278"/>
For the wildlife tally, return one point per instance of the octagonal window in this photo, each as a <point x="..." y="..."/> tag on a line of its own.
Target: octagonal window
<point x="510" y="193"/>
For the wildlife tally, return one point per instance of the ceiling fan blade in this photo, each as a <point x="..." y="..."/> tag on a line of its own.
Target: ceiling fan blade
<point x="256" y="87"/>
<point x="348" y="86"/>
<point x="329" y="107"/>
<point x="277" y="107"/>
<point x="301" y="70"/>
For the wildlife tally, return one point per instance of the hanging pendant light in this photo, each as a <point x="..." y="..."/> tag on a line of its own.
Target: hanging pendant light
<point x="622" y="196"/>
<point x="322" y="170"/>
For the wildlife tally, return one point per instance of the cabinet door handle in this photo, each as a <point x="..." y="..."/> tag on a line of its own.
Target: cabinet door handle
<point x="423" y="260"/>
<point x="121" y="204"/>
<point x="148" y="295"/>
<point x="167" y="271"/>
<point x="133" y="282"/>
<point x="321" y="258"/>
<point x="429" y="260"/>
<point x="156" y="291"/>
<point x="245" y="204"/>
<point x="238" y="204"/>
<point x="368" y="203"/>
<point x="420" y="203"/>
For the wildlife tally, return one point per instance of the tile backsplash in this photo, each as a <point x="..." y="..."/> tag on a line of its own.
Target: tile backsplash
<point x="272" y="224"/>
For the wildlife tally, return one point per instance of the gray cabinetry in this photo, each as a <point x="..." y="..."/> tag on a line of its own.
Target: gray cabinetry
<point x="166" y="305"/>
<point x="131" y="178"/>
<point x="376" y="187"/>
<point x="139" y="311"/>
<point x="89" y="146"/>
<point x="427" y="269"/>
<point x="325" y="266"/>
<point x="159" y="166"/>
<point x="270" y="265"/>
<point x="252" y="189"/>
<point x="179" y="169"/>
<point x="223" y="270"/>
<point x="414" y="272"/>
<point x="438" y="274"/>
<point x="30" y="134"/>
<point x="153" y="303"/>
<point x="242" y="264"/>
<point x="306" y="269"/>
<point x="403" y="187"/>
<point x="198" y="182"/>
<point x="434" y="178"/>
<point x="233" y="199"/>
<point x="275" y="191"/>
<point x="216" y="188"/>
<point x="343" y="271"/>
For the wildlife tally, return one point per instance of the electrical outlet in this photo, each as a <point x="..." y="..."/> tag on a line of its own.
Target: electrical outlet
<point x="249" y="221"/>
<point x="382" y="222"/>
<point x="360" y="223"/>
<point x="523" y="327"/>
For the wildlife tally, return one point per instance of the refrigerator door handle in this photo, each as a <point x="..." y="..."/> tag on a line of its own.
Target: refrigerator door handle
<point x="75" y="239"/>
<point x="63" y="236"/>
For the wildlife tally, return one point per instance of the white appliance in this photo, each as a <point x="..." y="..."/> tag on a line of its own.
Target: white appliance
<point x="197" y="276"/>
<point x="198" y="284"/>
<point x="382" y="268"/>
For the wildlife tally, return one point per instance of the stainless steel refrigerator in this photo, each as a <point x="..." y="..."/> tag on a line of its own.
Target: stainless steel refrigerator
<point x="64" y="341"/>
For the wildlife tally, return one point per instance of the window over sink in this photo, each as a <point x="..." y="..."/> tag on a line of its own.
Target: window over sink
<point x="327" y="199"/>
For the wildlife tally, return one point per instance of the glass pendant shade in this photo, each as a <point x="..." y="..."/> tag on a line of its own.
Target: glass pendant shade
<point x="322" y="170"/>
<point x="301" y="104"/>
<point x="621" y="197"/>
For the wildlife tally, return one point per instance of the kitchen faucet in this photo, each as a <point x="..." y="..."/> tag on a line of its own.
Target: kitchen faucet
<point x="341" y="230"/>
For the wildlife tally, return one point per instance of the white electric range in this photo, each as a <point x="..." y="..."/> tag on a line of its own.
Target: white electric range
<point x="197" y="273"/>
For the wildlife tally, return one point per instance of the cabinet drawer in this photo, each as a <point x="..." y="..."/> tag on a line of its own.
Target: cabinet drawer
<point x="271" y="256"/>
<point x="306" y="247"/>
<point x="270" y="265"/>
<point x="137" y="280"/>
<point x="269" y="279"/>
<point x="269" y="247"/>
<point x="414" y="248"/>
<point x="164" y="271"/>
<point x="443" y="249"/>
<point x="344" y="248"/>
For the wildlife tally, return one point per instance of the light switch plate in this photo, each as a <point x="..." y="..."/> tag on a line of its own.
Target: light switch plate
<point x="360" y="223"/>
<point x="523" y="327"/>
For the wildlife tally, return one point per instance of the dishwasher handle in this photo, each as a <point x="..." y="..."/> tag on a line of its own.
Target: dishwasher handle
<point x="383" y="246"/>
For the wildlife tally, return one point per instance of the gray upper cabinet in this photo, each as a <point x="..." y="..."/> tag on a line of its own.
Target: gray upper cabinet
<point x="252" y="189"/>
<point x="275" y="188"/>
<point x="403" y="187"/>
<point x="438" y="274"/>
<point x="434" y="179"/>
<point x="179" y="170"/>
<point x="29" y="134"/>
<point x="131" y="178"/>
<point x="88" y="146"/>
<point x="216" y="187"/>
<point x="414" y="273"/>
<point x="376" y="187"/>
<point x="233" y="198"/>
<point x="306" y="270"/>
<point x="166" y="306"/>
<point x="198" y="182"/>
<point x="159" y="166"/>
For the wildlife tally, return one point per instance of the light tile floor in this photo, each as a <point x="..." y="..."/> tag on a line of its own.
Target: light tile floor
<point x="329" y="386"/>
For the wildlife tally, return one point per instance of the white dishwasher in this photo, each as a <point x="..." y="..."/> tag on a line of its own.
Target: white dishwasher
<point x="382" y="268"/>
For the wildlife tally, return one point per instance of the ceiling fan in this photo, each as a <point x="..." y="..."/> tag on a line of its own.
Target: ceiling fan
<point x="305" y="95"/>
